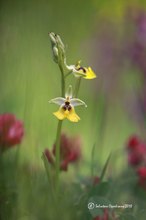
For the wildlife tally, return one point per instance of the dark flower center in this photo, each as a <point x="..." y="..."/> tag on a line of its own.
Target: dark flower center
<point x="81" y="68"/>
<point x="67" y="103"/>
<point x="67" y="106"/>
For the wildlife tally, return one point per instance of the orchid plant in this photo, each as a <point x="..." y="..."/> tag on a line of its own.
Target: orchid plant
<point x="67" y="101"/>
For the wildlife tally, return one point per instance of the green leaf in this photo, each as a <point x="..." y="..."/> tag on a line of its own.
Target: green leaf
<point x="47" y="166"/>
<point x="101" y="189"/>
<point x="92" y="160"/>
<point x="105" y="168"/>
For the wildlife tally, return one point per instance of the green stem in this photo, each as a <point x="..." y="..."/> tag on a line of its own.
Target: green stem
<point x="58" y="153"/>
<point x="77" y="86"/>
<point x="105" y="168"/>
<point x="58" y="135"/>
<point x="49" y="175"/>
<point x="62" y="81"/>
<point x="67" y="74"/>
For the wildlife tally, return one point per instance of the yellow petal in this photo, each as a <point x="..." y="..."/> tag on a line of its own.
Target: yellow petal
<point x="90" y="74"/>
<point x="72" y="116"/>
<point x="60" y="114"/>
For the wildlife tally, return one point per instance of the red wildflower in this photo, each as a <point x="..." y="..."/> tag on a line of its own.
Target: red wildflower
<point x="141" y="172"/>
<point x="133" y="142"/>
<point x="104" y="217"/>
<point x="70" y="151"/>
<point x="11" y="131"/>
<point x="96" y="180"/>
<point x="136" y="151"/>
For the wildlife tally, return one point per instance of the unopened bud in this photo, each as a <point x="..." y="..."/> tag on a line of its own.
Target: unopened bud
<point x="55" y="54"/>
<point x="58" y="49"/>
<point x="60" y="43"/>
<point x="52" y="37"/>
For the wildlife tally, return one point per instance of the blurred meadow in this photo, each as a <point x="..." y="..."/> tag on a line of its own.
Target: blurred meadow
<point x="102" y="35"/>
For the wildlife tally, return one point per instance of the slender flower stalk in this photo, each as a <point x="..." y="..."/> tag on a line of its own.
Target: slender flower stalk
<point x="62" y="81"/>
<point x="59" y="133"/>
<point x="77" y="86"/>
<point x="58" y="153"/>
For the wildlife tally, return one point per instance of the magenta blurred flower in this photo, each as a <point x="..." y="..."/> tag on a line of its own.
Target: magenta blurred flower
<point x="11" y="131"/>
<point x="104" y="217"/>
<point x="96" y="180"/>
<point x="136" y="151"/>
<point x="133" y="142"/>
<point x="70" y="152"/>
<point x="141" y="172"/>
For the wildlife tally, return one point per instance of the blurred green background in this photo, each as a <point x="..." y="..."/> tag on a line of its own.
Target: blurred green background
<point x="95" y="32"/>
<point x="29" y="77"/>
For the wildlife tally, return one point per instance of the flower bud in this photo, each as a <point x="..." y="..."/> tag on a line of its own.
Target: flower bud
<point x="55" y="54"/>
<point x="52" y="37"/>
<point x="58" y="49"/>
<point x="60" y="43"/>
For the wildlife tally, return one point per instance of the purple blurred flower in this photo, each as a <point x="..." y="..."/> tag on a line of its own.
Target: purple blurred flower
<point x="11" y="131"/>
<point x="107" y="50"/>
<point x="136" y="47"/>
<point x="136" y="53"/>
<point x="141" y="27"/>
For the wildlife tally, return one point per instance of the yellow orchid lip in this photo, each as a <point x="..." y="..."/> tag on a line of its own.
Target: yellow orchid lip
<point x="86" y="73"/>
<point x="69" y="114"/>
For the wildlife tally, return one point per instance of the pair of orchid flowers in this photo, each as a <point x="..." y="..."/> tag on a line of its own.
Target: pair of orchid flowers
<point x="68" y="103"/>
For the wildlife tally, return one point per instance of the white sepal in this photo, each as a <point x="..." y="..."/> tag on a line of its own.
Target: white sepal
<point x="59" y="101"/>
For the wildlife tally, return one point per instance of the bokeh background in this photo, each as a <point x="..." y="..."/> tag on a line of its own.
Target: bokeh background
<point x="109" y="36"/>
